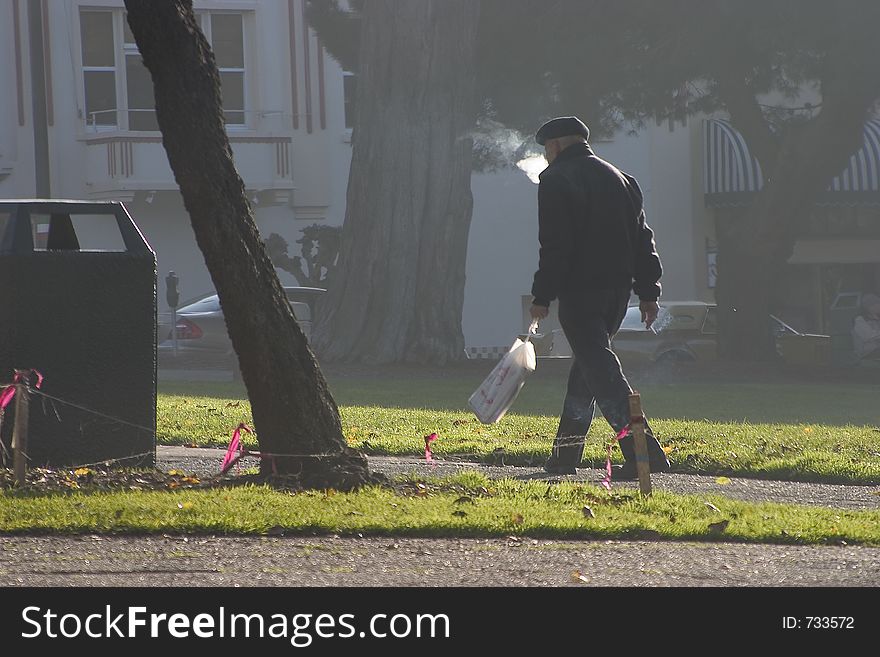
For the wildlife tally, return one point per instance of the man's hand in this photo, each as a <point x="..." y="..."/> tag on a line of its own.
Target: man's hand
<point x="539" y="312"/>
<point x="649" y="312"/>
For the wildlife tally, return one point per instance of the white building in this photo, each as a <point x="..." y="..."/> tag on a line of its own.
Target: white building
<point x="286" y="101"/>
<point x="284" y="106"/>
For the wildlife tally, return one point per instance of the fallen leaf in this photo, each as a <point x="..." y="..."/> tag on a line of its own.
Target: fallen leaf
<point x="185" y="505"/>
<point x="233" y="404"/>
<point x="577" y="576"/>
<point x="517" y="518"/>
<point x="713" y="507"/>
<point x="808" y="429"/>
<point x="588" y="512"/>
<point x="82" y="472"/>
<point x="174" y="473"/>
<point x="464" y="500"/>
<point x="722" y="481"/>
<point x="668" y="449"/>
<point x="718" y="527"/>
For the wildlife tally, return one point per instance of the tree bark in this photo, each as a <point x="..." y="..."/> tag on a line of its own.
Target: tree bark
<point x="398" y="293"/>
<point x="295" y="416"/>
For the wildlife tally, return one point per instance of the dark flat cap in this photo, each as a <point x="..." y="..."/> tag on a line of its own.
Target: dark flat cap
<point x="562" y="126"/>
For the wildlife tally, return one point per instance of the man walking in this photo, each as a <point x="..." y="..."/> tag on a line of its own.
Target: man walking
<point x="596" y="248"/>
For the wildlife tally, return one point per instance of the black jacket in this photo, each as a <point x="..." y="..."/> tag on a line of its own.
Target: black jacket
<point x="592" y="230"/>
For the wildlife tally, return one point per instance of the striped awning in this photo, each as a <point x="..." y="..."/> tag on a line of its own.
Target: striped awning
<point x="732" y="175"/>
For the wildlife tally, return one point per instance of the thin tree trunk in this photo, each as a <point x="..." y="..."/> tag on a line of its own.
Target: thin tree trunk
<point x="293" y="411"/>
<point x="399" y="290"/>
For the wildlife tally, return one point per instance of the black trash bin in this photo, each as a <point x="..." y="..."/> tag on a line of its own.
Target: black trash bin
<point x="78" y="304"/>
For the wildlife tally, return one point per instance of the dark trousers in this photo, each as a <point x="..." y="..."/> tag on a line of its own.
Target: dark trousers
<point x="596" y="378"/>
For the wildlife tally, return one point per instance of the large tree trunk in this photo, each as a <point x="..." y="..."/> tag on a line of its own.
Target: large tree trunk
<point x="755" y="248"/>
<point x="294" y="414"/>
<point x="399" y="290"/>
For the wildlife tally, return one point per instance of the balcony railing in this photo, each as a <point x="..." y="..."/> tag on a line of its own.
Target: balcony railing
<point x="144" y="120"/>
<point x="121" y="162"/>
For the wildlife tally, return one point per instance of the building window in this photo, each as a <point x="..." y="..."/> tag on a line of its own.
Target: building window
<point x="349" y="87"/>
<point x="99" y="67"/>
<point x="226" y="35"/>
<point x="118" y="89"/>
<point x="138" y="85"/>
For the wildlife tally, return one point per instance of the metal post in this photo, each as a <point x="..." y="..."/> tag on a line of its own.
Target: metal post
<point x="174" y="331"/>
<point x="20" y="434"/>
<point x="637" y="424"/>
<point x="172" y="296"/>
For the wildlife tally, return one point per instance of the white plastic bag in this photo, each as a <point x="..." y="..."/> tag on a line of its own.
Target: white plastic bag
<point x="497" y="393"/>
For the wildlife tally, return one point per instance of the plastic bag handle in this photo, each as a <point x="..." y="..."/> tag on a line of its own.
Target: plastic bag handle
<point x="533" y="328"/>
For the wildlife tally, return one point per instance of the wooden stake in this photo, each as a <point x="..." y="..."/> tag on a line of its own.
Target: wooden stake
<point x="637" y="425"/>
<point x="20" y="434"/>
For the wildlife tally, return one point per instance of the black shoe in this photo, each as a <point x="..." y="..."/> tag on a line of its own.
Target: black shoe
<point x="628" y="471"/>
<point x="553" y="466"/>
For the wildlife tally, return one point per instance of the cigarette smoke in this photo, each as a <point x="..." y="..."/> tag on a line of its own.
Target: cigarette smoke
<point x="497" y="147"/>
<point x="532" y="166"/>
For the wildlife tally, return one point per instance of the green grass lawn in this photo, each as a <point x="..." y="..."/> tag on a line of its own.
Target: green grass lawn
<point x="465" y="505"/>
<point x="805" y="432"/>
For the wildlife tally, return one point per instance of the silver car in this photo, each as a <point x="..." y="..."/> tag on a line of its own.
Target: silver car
<point x="687" y="331"/>
<point x="201" y="329"/>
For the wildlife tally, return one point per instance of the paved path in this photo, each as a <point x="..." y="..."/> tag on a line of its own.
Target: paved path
<point x="206" y="461"/>
<point x="341" y="561"/>
<point x="346" y="561"/>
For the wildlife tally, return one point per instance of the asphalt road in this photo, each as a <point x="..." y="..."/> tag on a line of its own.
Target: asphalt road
<point x="187" y="561"/>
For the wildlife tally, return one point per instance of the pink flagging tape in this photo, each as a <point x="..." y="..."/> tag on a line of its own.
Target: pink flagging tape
<point x="19" y="377"/>
<point x="6" y="397"/>
<point x="229" y="459"/>
<point x="620" y="434"/>
<point x="39" y="383"/>
<point x="429" y="456"/>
